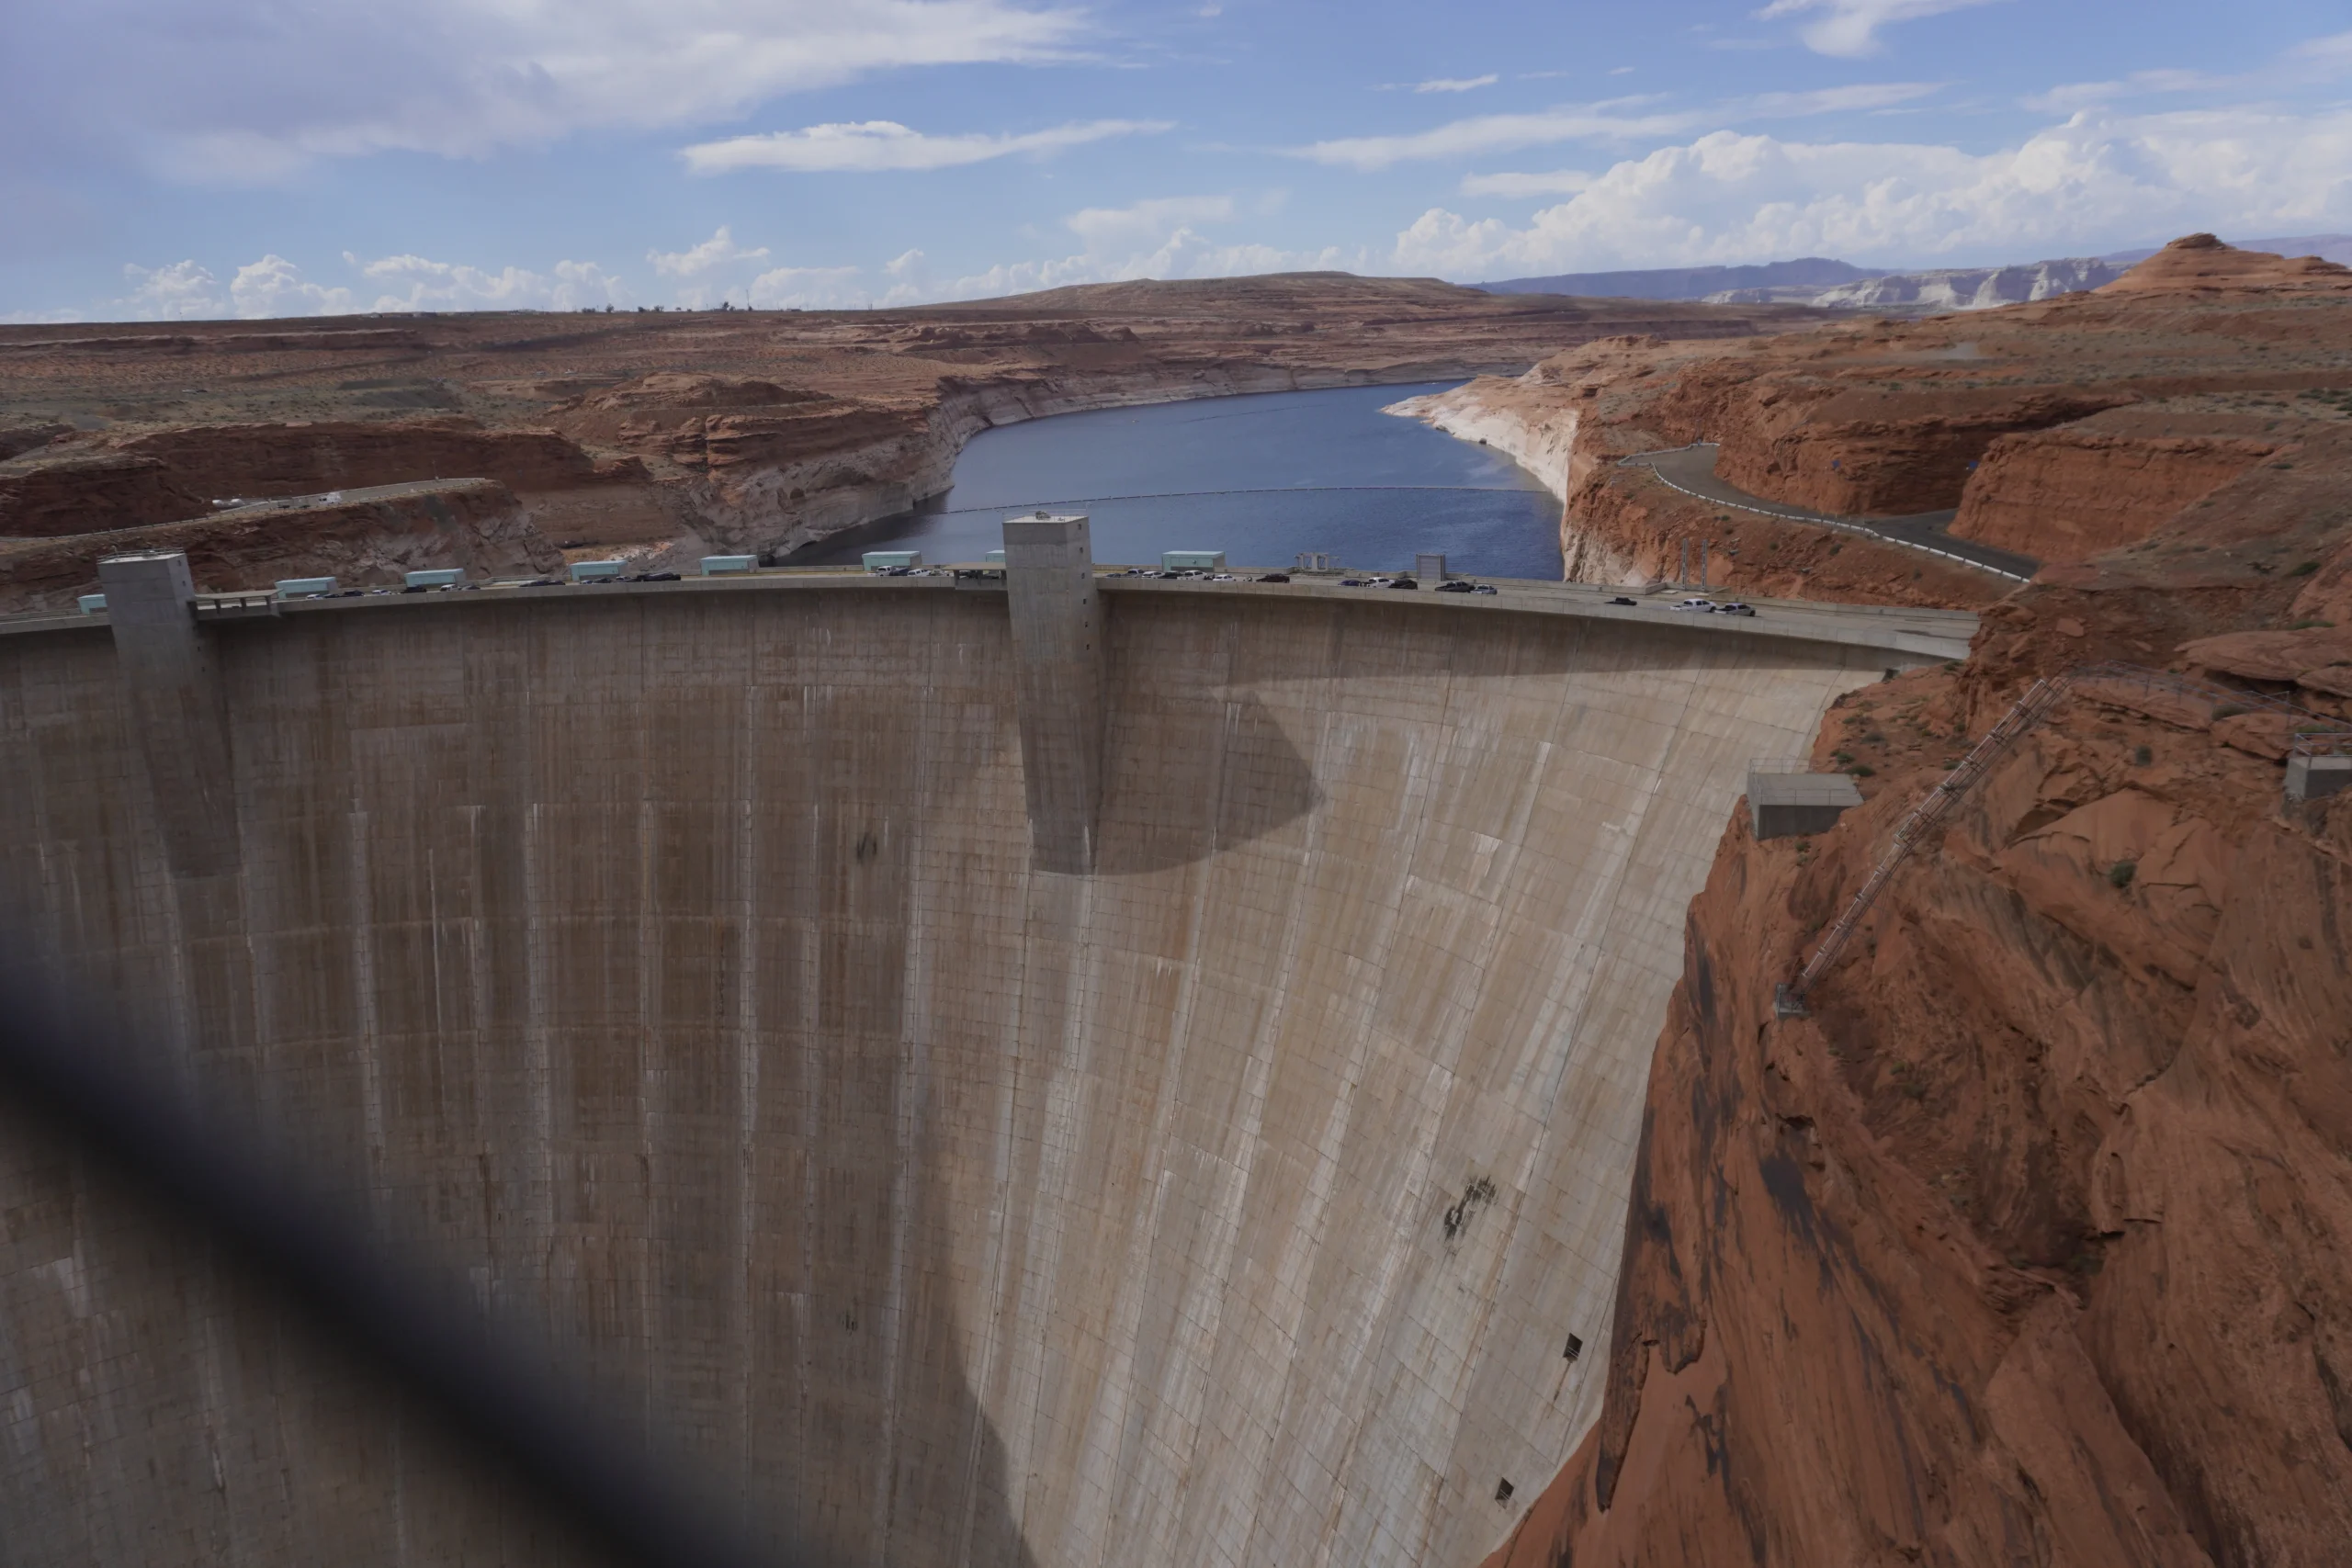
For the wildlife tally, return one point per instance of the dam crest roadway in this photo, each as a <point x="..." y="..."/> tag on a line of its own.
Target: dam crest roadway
<point x="681" y="960"/>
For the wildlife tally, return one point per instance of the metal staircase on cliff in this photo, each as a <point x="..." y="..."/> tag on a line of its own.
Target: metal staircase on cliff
<point x="1918" y="825"/>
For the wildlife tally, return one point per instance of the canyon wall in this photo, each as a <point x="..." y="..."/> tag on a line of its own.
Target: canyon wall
<point x="773" y="503"/>
<point x="662" y="436"/>
<point x="2066" y="495"/>
<point x="1541" y="437"/>
<point x="357" y="536"/>
<point x="2027" y="1243"/>
<point x="1571" y="419"/>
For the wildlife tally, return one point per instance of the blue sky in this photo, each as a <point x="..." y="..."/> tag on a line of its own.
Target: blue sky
<point x="172" y="159"/>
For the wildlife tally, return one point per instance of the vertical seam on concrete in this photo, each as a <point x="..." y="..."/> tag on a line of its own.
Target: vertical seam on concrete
<point x="808" y="938"/>
<point x="747" y="1080"/>
<point x="907" y="1089"/>
<point x="1144" y="1238"/>
<point x="1308" y="1229"/>
<point x="983" y="1373"/>
<point x="370" y="1042"/>
<point x="539" y="1149"/>
<point x="1057" y="1141"/>
<point x="1504" y="917"/>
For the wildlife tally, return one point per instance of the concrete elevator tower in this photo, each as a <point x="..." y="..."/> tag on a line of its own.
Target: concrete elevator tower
<point x="174" y="686"/>
<point x="1057" y="659"/>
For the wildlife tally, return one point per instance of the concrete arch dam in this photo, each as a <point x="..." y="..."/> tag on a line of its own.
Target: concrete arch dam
<point x="673" y="958"/>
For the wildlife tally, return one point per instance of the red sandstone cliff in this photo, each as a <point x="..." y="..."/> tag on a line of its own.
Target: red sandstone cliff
<point x="2198" y="423"/>
<point x="2030" y="1244"/>
<point x="2065" y="495"/>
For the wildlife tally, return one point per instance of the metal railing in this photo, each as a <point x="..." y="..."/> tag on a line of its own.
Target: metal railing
<point x="1794" y="514"/>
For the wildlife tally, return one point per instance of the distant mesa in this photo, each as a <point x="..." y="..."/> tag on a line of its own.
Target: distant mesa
<point x="1807" y="274"/>
<point x="2200" y="261"/>
<point x="1829" y="285"/>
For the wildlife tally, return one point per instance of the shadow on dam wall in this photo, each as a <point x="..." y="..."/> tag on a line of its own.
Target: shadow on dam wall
<point x="671" y="969"/>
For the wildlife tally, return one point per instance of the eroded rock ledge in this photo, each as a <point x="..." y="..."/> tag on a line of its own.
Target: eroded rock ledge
<point x="664" y="437"/>
<point x="2030" y="1244"/>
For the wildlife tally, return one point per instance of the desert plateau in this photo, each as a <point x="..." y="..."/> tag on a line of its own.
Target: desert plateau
<point x="1036" y="1069"/>
<point x="664" y="435"/>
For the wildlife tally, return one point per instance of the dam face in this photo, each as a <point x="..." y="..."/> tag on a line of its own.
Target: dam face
<point x="675" y="963"/>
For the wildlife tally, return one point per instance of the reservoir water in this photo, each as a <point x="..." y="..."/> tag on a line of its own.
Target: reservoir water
<point x="1260" y="477"/>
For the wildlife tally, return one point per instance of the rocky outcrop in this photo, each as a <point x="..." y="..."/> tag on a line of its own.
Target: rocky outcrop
<point x="253" y="461"/>
<point x="2028" y="1244"/>
<point x="1864" y="451"/>
<point x="741" y="430"/>
<point x="1572" y="418"/>
<point x="292" y="337"/>
<point x="2065" y="495"/>
<point x="20" y="436"/>
<point x="2202" y="264"/>
<point x="362" y="538"/>
<point x="50" y="492"/>
<point x="1537" y="436"/>
<point x="1538" y="431"/>
<point x="2271" y="656"/>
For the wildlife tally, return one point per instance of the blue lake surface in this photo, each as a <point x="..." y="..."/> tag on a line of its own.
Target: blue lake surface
<point x="1260" y="477"/>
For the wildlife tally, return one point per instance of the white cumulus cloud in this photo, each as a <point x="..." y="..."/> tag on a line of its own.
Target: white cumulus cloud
<point x="1558" y="181"/>
<point x="719" y="249"/>
<point x="1161" y="237"/>
<point x="414" y="283"/>
<point x="873" y="145"/>
<point x="275" y="286"/>
<point x="252" y="90"/>
<point x="183" y="291"/>
<point x="1615" y="120"/>
<point x="1494" y="133"/>
<point x="1852" y="26"/>
<point x="809" y="288"/>
<point x="2091" y="183"/>
<point x="1146" y="223"/>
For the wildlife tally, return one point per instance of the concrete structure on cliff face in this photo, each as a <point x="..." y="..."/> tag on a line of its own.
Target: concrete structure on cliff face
<point x="676" y="959"/>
